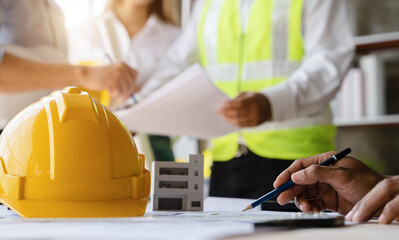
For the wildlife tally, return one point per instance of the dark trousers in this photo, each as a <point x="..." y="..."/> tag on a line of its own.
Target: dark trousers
<point x="249" y="176"/>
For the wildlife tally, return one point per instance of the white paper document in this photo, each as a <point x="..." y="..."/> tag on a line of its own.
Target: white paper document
<point x="222" y="217"/>
<point x="187" y="105"/>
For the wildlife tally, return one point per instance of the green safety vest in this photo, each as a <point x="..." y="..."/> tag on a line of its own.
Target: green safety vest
<point x="266" y="53"/>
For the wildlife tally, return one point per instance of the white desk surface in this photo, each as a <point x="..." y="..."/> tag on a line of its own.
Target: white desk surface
<point x="366" y="231"/>
<point x="221" y="219"/>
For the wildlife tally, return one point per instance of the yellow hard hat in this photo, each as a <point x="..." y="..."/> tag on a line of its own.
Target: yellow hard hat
<point x="69" y="156"/>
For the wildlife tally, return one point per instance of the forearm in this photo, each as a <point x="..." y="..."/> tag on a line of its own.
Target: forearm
<point x="18" y="75"/>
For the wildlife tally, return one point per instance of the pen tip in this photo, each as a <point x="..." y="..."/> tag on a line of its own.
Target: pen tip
<point x="247" y="208"/>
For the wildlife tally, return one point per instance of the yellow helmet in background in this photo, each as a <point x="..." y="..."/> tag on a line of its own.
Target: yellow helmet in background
<point x="69" y="156"/>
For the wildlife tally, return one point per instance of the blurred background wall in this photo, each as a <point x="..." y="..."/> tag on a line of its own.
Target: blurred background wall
<point x="376" y="143"/>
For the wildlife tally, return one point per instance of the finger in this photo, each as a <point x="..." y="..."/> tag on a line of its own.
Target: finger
<point x="299" y="164"/>
<point x="380" y="195"/>
<point x="390" y="212"/>
<point x="132" y="71"/>
<point x="349" y="215"/>
<point x="249" y="98"/>
<point x="240" y="122"/>
<point x="246" y="98"/>
<point x="290" y="193"/>
<point x="297" y="190"/>
<point x="304" y="204"/>
<point x="118" y="87"/>
<point x="133" y="87"/>
<point x="242" y="95"/>
<point x="233" y="104"/>
<point x="136" y="88"/>
<point x="247" y="122"/>
<point x="128" y="76"/>
<point x="318" y="204"/>
<point x="234" y="112"/>
<point x="315" y="209"/>
<point x="334" y="176"/>
<point x="132" y="76"/>
<point x="239" y="102"/>
<point x="129" y="83"/>
<point x="116" y="81"/>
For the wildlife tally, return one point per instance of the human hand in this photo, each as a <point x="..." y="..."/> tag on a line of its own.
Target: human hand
<point x="248" y="109"/>
<point x="382" y="200"/>
<point x="117" y="78"/>
<point x="338" y="187"/>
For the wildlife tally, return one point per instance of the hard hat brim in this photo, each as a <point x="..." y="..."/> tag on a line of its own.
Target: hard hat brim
<point x="77" y="209"/>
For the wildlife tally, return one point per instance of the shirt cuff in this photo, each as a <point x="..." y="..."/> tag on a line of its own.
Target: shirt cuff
<point x="1" y="54"/>
<point x="282" y="102"/>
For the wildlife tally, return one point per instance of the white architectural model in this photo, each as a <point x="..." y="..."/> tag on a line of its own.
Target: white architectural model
<point x="178" y="185"/>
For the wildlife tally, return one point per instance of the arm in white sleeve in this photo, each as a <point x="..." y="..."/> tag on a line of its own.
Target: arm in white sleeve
<point x="328" y="52"/>
<point x="180" y="55"/>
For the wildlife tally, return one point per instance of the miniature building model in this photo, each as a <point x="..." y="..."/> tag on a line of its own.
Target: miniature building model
<point x="178" y="185"/>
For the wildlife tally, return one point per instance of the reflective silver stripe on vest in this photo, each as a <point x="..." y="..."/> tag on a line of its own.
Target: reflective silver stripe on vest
<point x="268" y="69"/>
<point x="252" y="70"/>
<point x="325" y="118"/>
<point x="277" y="67"/>
<point x="210" y="32"/>
<point x="280" y="20"/>
<point x="222" y="72"/>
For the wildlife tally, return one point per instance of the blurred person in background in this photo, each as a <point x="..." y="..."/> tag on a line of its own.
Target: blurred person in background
<point x="280" y="62"/>
<point x="136" y="32"/>
<point x="33" y="59"/>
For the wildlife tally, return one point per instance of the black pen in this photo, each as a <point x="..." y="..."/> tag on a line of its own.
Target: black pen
<point x="290" y="183"/>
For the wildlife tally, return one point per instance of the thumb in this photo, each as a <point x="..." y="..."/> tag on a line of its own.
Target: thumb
<point x="241" y="95"/>
<point x="316" y="173"/>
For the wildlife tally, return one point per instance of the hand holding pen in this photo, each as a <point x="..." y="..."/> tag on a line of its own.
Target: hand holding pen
<point x="337" y="187"/>
<point x="120" y="81"/>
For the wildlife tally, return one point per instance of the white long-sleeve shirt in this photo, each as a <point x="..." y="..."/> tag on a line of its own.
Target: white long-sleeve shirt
<point x="33" y="30"/>
<point x="328" y="52"/>
<point x="142" y="51"/>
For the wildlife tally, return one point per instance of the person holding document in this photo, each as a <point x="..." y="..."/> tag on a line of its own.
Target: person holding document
<point x="347" y="187"/>
<point x="280" y="62"/>
<point x="141" y="31"/>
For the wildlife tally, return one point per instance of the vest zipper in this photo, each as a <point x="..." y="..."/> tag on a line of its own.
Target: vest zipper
<point x="240" y="61"/>
<point x="239" y="78"/>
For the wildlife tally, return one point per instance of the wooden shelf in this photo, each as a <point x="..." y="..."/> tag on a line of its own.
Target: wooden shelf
<point x="380" y="121"/>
